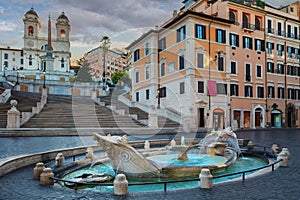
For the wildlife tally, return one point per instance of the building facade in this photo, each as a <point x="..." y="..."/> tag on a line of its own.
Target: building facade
<point x="114" y="60"/>
<point x="210" y="63"/>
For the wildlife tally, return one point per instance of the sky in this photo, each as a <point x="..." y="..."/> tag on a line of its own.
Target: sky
<point x="122" y="20"/>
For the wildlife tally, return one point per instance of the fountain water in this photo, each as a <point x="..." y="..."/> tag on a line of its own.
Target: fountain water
<point x="125" y="159"/>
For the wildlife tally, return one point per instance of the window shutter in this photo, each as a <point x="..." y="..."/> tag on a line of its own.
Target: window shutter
<point x="204" y="32"/>
<point x="263" y="45"/>
<point x="237" y="40"/>
<point x="255" y="48"/>
<point x="223" y="36"/>
<point x="244" y="43"/>
<point x="251" y="43"/>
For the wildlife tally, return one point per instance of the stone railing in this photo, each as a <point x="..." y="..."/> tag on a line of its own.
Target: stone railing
<point x="5" y="96"/>
<point x="14" y="120"/>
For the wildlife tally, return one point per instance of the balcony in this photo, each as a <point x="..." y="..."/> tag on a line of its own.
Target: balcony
<point x="248" y="78"/>
<point x="251" y="27"/>
<point x="270" y="30"/>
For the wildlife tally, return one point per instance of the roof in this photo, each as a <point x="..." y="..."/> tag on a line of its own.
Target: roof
<point x="63" y="16"/>
<point x="32" y="12"/>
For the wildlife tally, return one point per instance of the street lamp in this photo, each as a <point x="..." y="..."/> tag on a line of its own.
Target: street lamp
<point x="44" y="86"/>
<point x="18" y="70"/>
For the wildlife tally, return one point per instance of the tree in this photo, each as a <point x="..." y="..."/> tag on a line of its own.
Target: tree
<point x="120" y="76"/>
<point x="83" y="74"/>
<point x="105" y="44"/>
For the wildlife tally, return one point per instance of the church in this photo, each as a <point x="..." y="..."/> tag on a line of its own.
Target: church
<point x="40" y="56"/>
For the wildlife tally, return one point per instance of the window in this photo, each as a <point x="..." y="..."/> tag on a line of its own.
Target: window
<point x="30" y="31"/>
<point x="270" y="47"/>
<point x="137" y="76"/>
<point x="260" y="92"/>
<point x="280" y="49"/>
<point x="147" y="49"/>
<point x="147" y="94"/>
<point x="137" y="96"/>
<point x="257" y="23"/>
<point x="6" y="56"/>
<point x="296" y="53"/>
<point x="162" y="69"/>
<point x="232" y="16"/>
<point x="291" y="93"/>
<point x="258" y="71"/>
<point x="234" y="90"/>
<point x="248" y="91"/>
<point x="136" y="55"/>
<point x="248" y="72"/>
<point x="270" y="29"/>
<point x="171" y="67"/>
<point x="271" y="93"/>
<point x="259" y="45"/>
<point x="221" y="88"/>
<point x="162" y="44"/>
<point x="220" y="63"/>
<point x="245" y="21"/>
<point x="220" y="36"/>
<point x="200" y="60"/>
<point x="289" y="52"/>
<point x="280" y="69"/>
<point x="200" y="87"/>
<point x="181" y="62"/>
<point x="5" y="64"/>
<point x="181" y="88"/>
<point x="247" y="42"/>
<point x="270" y="66"/>
<point x="296" y="33"/>
<point x="290" y="70"/>
<point x="280" y="93"/>
<point x="62" y="61"/>
<point x="162" y="92"/>
<point x="200" y="31"/>
<point x="233" y="67"/>
<point x="279" y="29"/>
<point x="22" y="61"/>
<point x="181" y="34"/>
<point x="234" y="40"/>
<point x="289" y="31"/>
<point x="30" y="60"/>
<point x="147" y="71"/>
<point x="62" y="33"/>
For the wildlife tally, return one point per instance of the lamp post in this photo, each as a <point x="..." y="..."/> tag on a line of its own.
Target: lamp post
<point x="44" y="85"/>
<point x="18" y="70"/>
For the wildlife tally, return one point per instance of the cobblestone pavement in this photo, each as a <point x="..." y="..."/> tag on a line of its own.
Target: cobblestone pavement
<point x="280" y="184"/>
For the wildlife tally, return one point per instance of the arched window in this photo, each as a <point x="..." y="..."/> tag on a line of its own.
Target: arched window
<point x="62" y="33"/>
<point x="245" y="21"/>
<point x="257" y="24"/>
<point x="231" y="16"/>
<point x="30" y="31"/>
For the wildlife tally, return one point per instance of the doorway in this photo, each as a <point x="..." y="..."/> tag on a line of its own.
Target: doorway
<point x="218" y="119"/>
<point x="201" y="117"/>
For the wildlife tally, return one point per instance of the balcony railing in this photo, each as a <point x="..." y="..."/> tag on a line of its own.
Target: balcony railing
<point x="252" y="27"/>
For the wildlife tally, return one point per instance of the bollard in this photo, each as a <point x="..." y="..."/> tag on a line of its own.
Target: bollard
<point x="59" y="160"/>
<point x="39" y="167"/>
<point x="205" y="179"/>
<point x="286" y="150"/>
<point x="147" y="145"/>
<point x="250" y="145"/>
<point x="275" y="148"/>
<point x="120" y="185"/>
<point x="45" y="177"/>
<point x="285" y="161"/>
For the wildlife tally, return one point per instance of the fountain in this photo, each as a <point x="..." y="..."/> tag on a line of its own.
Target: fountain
<point x="217" y="150"/>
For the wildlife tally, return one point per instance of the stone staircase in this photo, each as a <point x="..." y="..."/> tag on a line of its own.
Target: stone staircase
<point x="78" y="112"/>
<point x="26" y="101"/>
<point x="112" y="100"/>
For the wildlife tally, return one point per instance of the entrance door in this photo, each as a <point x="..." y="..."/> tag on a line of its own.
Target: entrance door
<point x="201" y="118"/>
<point x="258" y="117"/>
<point x="276" y="118"/>
<point x="218" y="119"/>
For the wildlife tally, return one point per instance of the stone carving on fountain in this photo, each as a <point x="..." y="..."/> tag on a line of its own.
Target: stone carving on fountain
<point x="127" y="160"/>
